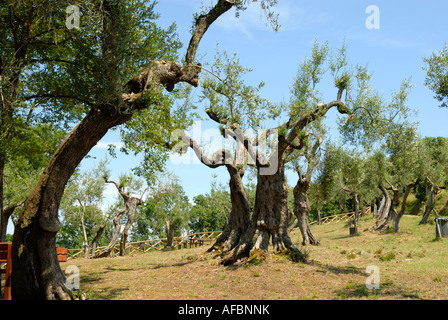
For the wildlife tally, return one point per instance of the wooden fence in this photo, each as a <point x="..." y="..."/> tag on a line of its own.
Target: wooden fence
<point x="192" y="240"/>
<point x="341" y="217"/>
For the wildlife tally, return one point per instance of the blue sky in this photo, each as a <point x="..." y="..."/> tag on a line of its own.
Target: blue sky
<point x="409" y="30"/>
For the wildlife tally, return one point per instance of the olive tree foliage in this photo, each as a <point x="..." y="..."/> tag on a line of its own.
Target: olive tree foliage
<point x="81" y="209"/>
<point x="436" y="67"/>
<point x="167" y="210"/>
<point x="436" y="169"/>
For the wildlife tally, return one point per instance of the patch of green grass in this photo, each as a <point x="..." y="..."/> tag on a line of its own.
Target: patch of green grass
<point x="388" y="257"/>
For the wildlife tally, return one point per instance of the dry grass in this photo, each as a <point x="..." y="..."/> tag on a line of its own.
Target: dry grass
<point x="412" y="265"/>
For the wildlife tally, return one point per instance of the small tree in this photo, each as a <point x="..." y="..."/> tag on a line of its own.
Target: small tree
<point x="126" y="186"/>
<point x="167" y="210"/>
<point x="82" y="201"/>
<point x="437" y="75"/>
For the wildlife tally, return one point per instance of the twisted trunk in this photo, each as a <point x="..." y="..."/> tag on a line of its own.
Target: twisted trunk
<point x="269" y="221"/>
<point x="302" y="209"/>
<point x="130" y="207"/>
<point x="389" y="211"/>
<point x="239" y="216"/>
<point x="433" y="190"/>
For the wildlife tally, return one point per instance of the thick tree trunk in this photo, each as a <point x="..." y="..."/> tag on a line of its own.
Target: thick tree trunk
<point x="389" y="211"/>
<point x="270" y="220"/>
<point x="36" y="271"/>
<point x="239" y="217"/>
<point x="302" y="209"/>
<point x="169" y="233"/>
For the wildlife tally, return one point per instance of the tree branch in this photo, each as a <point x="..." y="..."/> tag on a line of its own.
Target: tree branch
<point x="203" y="22"/>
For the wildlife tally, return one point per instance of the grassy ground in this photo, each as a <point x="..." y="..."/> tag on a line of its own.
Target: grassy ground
<point x="411" y="264"/>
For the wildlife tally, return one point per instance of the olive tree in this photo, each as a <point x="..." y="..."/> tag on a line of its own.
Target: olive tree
<point x="118" y="63"/>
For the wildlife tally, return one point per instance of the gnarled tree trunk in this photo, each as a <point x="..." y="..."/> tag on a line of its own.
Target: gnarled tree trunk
<point x="302" y="209"/>
<point x="269" y="221"/>
<point x="432" y="190"/>
<point x="389" y="211"/>
<point x="130" y="207"/>
<point x="239" y="216"/>
<point x="36" y="271"/>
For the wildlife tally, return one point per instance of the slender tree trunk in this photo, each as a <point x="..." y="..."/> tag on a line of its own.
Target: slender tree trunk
<point x="7" y="213"/>
<point x="36" y="271"/>
<point x="132" y="205"/>
<point x="302" y="209"/>
<point x="319" y="217"/>
<point x="400" y="214"/>
<point x="239" y="217"/>
<point x="94" y="243"/>
<point x="84" y="232"/>
<point x="433" y="191"/>
<point x="374" y="208"/>
<point x="356" y="200"/>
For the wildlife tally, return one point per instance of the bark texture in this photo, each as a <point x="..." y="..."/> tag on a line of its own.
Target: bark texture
<point x="302" y="209"/>
<point x="239" y="216"/>
<point x="432" y="190"/>
<point x="389" y="211"/>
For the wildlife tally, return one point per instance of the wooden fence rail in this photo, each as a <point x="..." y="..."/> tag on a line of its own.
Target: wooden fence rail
<point x="341" y="217"/>
<point x="192" y="240"/>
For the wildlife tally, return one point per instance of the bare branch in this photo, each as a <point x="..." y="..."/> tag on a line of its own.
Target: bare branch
<point x="203" y="22"/>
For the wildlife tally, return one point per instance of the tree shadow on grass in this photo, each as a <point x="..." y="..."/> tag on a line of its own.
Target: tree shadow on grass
<point x="325" y="268"/>
<point x="386" y="291"/>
